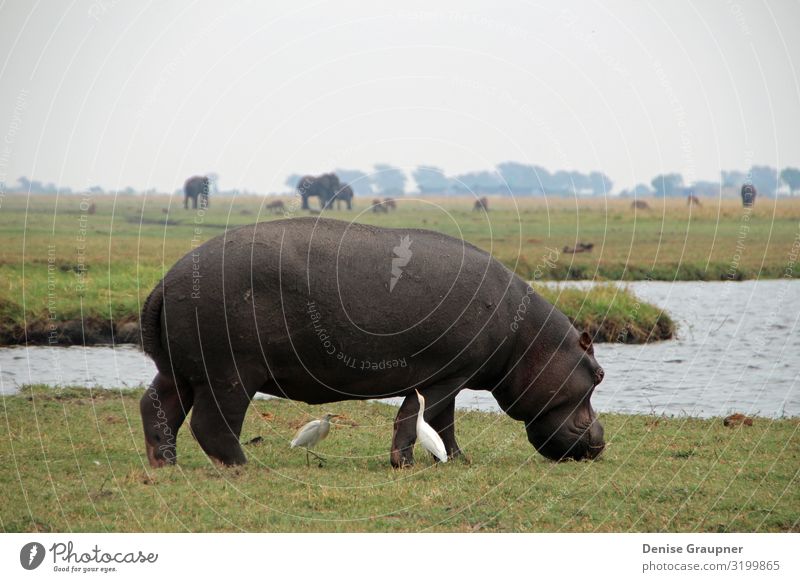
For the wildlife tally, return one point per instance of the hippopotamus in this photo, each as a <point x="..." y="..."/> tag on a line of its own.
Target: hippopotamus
<point x="320" y="311"/>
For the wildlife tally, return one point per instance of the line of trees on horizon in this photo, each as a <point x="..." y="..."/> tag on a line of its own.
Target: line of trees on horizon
<point x="517" y="179"/>
<point x="766" y="179"/>
<point x="507" y="179"/>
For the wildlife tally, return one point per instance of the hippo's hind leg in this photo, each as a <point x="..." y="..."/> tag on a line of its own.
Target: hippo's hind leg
<point x="438" y="398"/>
<point x="444" y="423"/>
<point x="164" y="407"/>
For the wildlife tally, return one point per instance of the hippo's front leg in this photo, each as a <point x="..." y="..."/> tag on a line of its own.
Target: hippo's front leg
<point x="438" y="398"/>
<point x="405" y="433"/>
<point x="445" y="424"/>
<point x="217" y="420"/>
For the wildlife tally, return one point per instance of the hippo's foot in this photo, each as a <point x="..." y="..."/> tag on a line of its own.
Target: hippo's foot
<point x="159" y="457"/>
<point x="405" y="434"/>
<point x="458" y="454"/>
<point x="228" y="461"/>
<point x="163" y="408"/>
<point x="401" y="458"/>
<point x="217" y="425"/>
<point x="224" y="450"/>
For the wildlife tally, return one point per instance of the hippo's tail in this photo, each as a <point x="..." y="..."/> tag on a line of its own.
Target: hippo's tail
<point x="151" y="324"/>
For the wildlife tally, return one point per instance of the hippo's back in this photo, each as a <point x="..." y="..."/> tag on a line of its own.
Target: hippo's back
<point x="343" y="306"/>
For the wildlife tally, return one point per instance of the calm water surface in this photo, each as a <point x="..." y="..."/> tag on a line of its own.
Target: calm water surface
<point x="738" y="350"/>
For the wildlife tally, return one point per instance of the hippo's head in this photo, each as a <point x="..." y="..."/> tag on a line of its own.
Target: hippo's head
<point x="552" y="396"/>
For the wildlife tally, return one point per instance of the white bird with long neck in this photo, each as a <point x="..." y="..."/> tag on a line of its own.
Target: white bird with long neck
<point x="430" y="439"/>
<point x="311" y="433"/>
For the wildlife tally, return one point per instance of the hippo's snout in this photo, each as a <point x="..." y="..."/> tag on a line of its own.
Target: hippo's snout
<point x="596" y="442"/>
<point x="565" y="443"/>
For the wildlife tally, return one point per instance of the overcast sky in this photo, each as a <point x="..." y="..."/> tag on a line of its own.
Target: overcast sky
<point x="147" y="93"/>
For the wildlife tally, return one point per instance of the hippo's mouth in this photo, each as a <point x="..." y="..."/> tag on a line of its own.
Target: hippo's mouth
<point x="592" y="439"/>
<point x="577" y="443"/>
<point x="593" y="450"/>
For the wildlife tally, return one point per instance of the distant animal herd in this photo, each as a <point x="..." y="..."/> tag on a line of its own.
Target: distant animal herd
<point x="329" y="190"/>
<point x="748" y="194"/>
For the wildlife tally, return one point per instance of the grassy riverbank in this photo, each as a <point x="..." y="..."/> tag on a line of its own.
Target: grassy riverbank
<point x="79" y="278"/>
<point x="73" y="460"/>
<point x="608" y="312"/>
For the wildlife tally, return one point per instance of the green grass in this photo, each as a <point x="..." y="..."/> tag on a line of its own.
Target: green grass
<point x="611" y="313"/>
<point x="74" y="461"/>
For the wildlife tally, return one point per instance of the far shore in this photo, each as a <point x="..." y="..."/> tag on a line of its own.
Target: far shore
<point x="81" y="277"/>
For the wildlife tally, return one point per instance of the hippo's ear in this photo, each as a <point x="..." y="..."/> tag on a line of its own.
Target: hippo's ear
<point x="586" y="342"/>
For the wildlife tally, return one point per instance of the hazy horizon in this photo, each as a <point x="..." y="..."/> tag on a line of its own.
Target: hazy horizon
<point x="144" y="95"/>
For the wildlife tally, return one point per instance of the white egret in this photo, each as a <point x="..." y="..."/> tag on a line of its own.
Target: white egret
<point x="311" y="433"/>
<point x="429" y="438"/>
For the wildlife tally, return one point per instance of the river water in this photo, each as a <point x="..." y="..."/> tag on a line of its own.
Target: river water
<point x="738" y="350"/>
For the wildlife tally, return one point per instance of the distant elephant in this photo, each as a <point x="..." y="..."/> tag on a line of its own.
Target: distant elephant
<point x="324" y="187"/>
<point x="194" y="188"/>
<point x="749" y="194"/>
<point x="390" y="204"/>
<point x="345" y="194"/>
<point x="640" y="204"/>
<point x="481" y="204"/>
<point x="692" y="200"/>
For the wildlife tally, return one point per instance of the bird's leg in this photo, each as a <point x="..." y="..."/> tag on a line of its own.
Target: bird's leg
<point x="318" y="457"/>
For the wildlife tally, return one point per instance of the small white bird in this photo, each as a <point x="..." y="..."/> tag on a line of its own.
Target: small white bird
<point x="311" y="433"/>
<point x="429" y="438"/>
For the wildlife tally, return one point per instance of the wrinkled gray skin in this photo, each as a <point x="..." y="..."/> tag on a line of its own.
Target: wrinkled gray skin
<point x="305" y="309"/>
